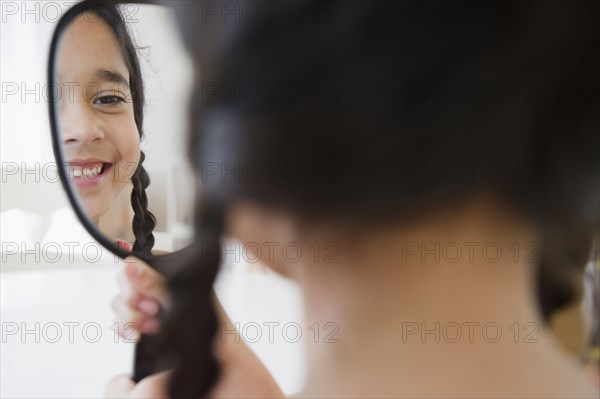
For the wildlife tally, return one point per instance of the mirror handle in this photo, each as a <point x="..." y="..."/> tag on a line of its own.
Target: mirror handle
<point x="147" y="356"/>
<point x="150" y="357"/>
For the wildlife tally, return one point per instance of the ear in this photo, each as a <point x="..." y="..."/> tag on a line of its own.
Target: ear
<point x="263" y="232"/>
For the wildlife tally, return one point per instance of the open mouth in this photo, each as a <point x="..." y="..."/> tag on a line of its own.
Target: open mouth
<point x="88" y="174"/>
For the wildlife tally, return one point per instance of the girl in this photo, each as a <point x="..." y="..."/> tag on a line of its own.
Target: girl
<point x="451" y="161"/>
<point x="102" y="118"/>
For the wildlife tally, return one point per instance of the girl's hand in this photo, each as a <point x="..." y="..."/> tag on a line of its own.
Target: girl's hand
<point x="154" y="386"/>
<point x="142" y="292"/>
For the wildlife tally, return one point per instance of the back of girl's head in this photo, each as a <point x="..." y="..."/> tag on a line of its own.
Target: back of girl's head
<point x="389" y="110"/>
<point x="373" y="112"/>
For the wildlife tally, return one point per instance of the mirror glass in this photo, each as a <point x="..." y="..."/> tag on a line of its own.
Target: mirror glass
<point x="122" y="81"/>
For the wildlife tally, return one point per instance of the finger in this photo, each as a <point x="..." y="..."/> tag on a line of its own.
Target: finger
<point x="147" y="305"/>
<point x="123" y="284"/>
<point x="147" y="281"/>
<point x="154" y="386"/>
<point x="127" y="325"/>
<point x="129" y="318"/>
<point x="119" y="387"/>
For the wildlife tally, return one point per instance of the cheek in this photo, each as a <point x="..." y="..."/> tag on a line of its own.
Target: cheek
<point x="131" y="151"/>
<point x="127" y="143"/>
<point x="130" y="156"/>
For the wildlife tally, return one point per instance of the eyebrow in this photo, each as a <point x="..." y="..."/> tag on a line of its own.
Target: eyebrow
<point x="110" y="76"/>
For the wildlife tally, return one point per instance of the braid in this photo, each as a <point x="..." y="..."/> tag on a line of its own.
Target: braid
<point x="193" y="324"/>
<point x="143" y="220"/>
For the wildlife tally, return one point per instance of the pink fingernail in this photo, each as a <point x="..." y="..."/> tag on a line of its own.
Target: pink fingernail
<point x="151" y="326"/>
<point x="148" y="306"/>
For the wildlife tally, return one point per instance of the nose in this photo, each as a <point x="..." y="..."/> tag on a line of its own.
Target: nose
<point x="79" y="124"/>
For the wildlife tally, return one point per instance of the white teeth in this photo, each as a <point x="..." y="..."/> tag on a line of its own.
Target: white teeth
<point x="88" y="171"/>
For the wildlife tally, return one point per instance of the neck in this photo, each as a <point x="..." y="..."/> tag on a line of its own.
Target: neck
<point x="397" y="323"/>
<point x="404" y="327"/>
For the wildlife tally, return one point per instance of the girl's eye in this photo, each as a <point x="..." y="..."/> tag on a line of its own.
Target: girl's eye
<point x="109" y="100"/>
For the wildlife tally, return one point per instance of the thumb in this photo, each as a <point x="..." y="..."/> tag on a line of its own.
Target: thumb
<point x="153" y="387"/>
<point x="119" y="387"/>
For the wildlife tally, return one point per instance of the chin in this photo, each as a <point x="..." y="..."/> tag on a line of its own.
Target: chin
<point x="93" y="211"/>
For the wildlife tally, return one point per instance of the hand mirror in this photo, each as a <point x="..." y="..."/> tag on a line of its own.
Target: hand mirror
<point x="121" y="79"/>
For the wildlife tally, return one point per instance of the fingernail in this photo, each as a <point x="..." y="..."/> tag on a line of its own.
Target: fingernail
<point x="151" y="326"/>
<point x="149" y="307"/>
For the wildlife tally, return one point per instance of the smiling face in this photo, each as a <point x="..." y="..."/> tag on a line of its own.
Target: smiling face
<point x="100" y="138"/>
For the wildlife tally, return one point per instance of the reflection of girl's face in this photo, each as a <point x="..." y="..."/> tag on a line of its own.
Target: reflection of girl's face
<point x="101" y="140"/>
